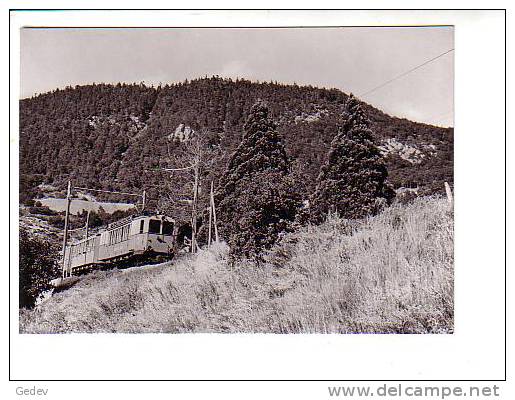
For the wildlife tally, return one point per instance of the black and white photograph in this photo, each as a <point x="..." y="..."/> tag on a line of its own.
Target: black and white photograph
<point x="244" y="180"/>
<point x="256" y="198"/>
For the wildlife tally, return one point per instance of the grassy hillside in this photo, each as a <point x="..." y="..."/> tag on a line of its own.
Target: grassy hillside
<point x="392" y="273"/>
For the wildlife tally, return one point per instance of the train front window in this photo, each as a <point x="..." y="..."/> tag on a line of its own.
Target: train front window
<point x="154" y="226"/>
<point x="141" y="226"/>
<point x="167" y="228"/>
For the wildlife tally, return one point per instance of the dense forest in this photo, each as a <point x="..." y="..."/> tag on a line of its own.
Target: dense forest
<point x="115" y="137"/>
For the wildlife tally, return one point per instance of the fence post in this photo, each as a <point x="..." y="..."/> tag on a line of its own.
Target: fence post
<point x="449" y="194"/>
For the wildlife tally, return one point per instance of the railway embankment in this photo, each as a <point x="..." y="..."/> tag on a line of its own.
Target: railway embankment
<point x="390" y="273"/>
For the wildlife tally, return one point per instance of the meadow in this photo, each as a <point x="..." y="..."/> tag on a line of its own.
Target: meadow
<point x="390" y="273"/>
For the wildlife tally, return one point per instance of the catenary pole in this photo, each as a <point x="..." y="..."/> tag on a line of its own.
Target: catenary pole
<point x="214" y="211"/>
<point x="65" y="240"/>
<point x="194" y="211"/>
<point x="87" y="224"/>
<point x="210" y="217"/>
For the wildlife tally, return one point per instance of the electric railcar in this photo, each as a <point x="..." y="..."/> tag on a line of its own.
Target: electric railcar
<point x="124" y="239"/>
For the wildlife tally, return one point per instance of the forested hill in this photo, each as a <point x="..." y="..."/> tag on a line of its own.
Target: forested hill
<point x="110" y="136"/>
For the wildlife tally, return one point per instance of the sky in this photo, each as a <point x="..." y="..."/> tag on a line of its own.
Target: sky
<point x="353" y="60"/>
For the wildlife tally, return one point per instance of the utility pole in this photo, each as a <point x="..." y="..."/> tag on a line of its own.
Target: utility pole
<point x="210" y="217"/>
<point x="194" y="209"/>
<point x="212" y="202"/>
<point x="87" y="224"/>
<point x="65" y="240"/>
<point x="144" y="199"/>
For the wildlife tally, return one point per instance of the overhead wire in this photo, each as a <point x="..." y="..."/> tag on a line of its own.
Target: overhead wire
<point x="404" y="73"/>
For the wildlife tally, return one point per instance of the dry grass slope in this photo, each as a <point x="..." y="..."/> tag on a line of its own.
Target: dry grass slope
<point x="392" y="273"/>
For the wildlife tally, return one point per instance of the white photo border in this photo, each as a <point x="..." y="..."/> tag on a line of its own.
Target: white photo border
<point x="477" y="349"/>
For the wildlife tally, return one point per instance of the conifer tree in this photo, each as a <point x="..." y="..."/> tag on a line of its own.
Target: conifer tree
<point x="256" y="196"/>
<point x="352" y="182"/>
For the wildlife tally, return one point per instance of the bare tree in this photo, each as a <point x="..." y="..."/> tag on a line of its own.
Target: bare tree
<point x="186" y="193"/>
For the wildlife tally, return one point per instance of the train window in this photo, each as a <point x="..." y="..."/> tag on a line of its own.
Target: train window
<point x="125" y="232"/>
<point x="154" y="226"/>
<point x="167" y="228"/>
<point x="141" y="226"/>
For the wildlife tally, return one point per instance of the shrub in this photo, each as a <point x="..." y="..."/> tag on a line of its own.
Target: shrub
<point x="42" y="210"/>
<point x="56" y="221"/>
<point x="38" y="266"/>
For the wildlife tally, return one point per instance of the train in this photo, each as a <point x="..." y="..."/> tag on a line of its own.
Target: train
<point x="132" y="238"/>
